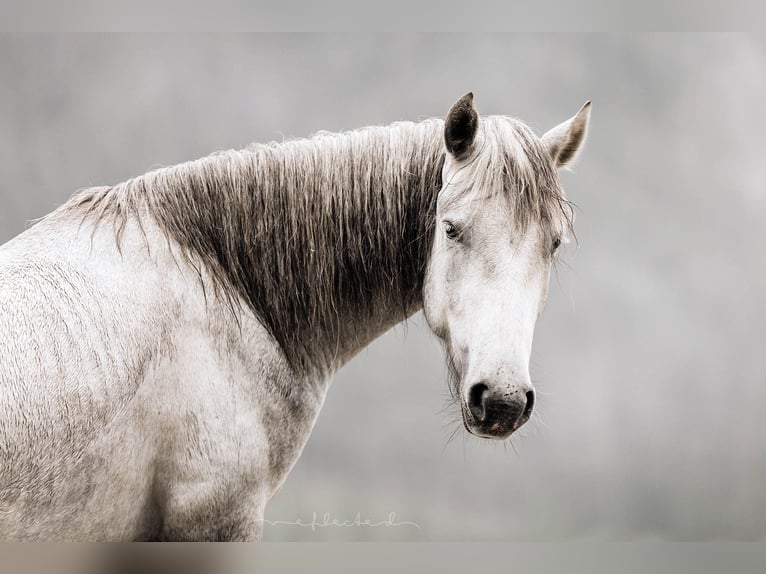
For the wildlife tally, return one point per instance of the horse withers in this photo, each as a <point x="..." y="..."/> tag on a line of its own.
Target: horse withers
<point x="166" y="344"/>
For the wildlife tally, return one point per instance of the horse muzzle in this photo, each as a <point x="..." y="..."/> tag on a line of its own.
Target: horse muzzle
<point x="497" y="411"/>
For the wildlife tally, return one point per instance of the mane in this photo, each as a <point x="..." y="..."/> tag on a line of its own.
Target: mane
<point x="305" y="232"/>
<point x="313" y="233"/>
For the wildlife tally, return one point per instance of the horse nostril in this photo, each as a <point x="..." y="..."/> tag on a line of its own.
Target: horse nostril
<point x="476" y="395"/>
<point x="530" y="405"/>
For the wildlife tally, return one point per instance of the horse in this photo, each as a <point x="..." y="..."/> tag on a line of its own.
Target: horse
<point x="166" y="343"/>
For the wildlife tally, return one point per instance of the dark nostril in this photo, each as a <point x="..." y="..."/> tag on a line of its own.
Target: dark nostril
<point x="476" y="400"/>
<point x="530" y="405"/>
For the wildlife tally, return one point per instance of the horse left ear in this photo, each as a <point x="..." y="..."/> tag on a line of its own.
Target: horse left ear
<point x="460" y="127"/>
<point x="565" y="140"/>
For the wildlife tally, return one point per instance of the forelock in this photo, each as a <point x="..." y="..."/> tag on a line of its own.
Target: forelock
<point x="511" y="159"/>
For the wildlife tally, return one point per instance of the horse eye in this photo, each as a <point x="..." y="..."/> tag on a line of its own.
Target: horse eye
<point x="450" y="230"/>
<point x="556" y="243"/>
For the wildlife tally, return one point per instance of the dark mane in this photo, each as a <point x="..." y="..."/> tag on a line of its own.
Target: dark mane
<point x="307" y="233"/>
<point x="314" y="233"/>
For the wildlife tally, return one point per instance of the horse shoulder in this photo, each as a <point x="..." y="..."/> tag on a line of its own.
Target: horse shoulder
<point x="80" y="334"/>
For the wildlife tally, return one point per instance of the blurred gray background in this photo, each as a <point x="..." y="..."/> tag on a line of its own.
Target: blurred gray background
<point x="649" y="361"/>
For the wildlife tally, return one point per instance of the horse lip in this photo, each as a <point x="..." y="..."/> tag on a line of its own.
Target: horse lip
<point x="478" y="433"/>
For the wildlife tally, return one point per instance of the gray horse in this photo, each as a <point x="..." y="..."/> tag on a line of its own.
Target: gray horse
<point x="166" y="344"/>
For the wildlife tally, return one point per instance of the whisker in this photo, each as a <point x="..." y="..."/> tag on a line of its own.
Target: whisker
<point x="513" y="446"/>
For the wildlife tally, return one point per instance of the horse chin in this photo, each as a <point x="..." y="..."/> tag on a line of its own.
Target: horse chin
<point x="499" y="434"/>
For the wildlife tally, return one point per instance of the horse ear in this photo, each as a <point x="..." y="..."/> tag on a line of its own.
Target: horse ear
<point x="460" y="127"/>
<point x="565" y="140"/>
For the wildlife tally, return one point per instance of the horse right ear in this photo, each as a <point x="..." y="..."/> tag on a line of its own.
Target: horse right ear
<point x="460" y="127"/>
<point x="565" y="140"/>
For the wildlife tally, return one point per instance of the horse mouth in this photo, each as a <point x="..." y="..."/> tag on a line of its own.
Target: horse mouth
<point x="494" y="429"/>
<point x="495" y="432"/>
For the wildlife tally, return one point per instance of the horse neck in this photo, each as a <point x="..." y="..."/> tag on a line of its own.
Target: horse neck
<point x="325" y="240"/>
